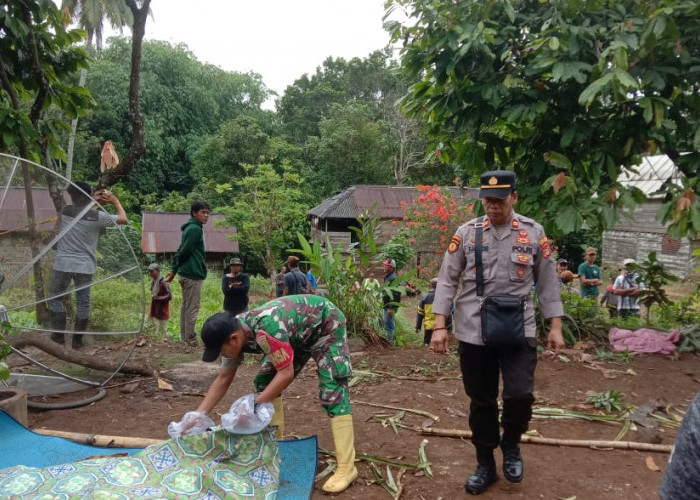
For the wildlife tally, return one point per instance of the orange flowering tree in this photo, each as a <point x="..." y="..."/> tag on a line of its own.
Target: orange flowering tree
<point x="430" y="221"/>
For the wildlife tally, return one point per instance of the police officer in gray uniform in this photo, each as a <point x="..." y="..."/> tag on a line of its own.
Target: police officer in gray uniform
<point x="515" y="252"/>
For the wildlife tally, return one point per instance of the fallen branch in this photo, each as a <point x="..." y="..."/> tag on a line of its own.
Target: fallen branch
<point x="380" y="460"/>
<point x="406" y="377"/>
<point x="399" y="484"/>
<point x="579" y="443"/>
<point x="79" y="358"/>
<point x="408" y="410"/>
<point x="101" y="440"/>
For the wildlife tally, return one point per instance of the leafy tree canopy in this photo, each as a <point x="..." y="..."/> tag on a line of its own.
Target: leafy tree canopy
<point x="309" y="100"/>
<point x="239" y="142"/>
<point x="183" y="102"/>
<point x="353" y="148"/>
<point x="38" y="57"/>
<point x="268" y="213"/>
<point x="568" y="93"/>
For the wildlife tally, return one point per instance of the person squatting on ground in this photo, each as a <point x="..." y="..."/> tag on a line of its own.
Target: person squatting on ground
<point x="626" y="287"/>
<point x="515" y="252"/>
<point x="289" y="331"/>
<point x="159" y="311"/>
<point x="76" y="256"/>
<point x="294" y="280"/>
<point x="390" y="299"/>
<point x="189" y="262"/>
<point x="589" y="274"/>
<point x="235" y="286"/>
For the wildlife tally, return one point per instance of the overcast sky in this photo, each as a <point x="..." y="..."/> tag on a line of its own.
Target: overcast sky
<point x="279" y="39"/>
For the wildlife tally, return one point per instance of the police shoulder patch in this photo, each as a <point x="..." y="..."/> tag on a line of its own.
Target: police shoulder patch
<point x="455" y="241"/>
<point x="546" y="249"/>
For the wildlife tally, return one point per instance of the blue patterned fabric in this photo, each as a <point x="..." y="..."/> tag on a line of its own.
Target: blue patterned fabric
<point x="212" y="465"/>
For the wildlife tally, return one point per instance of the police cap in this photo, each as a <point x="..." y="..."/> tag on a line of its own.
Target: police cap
<point x="498" y="183"/>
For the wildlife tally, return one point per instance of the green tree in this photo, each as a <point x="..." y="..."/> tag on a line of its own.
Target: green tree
<point x="568" y="93"/>
<point x="91" y="15"/>
<point x="353" y="148"/>
<point x="268" y="212"/>
<point x="309" y="100"/>
<point x="184" y="99"/>
<point x="238" y="142"/>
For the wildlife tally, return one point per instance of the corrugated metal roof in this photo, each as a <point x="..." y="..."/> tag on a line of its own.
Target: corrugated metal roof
<point x="651" y="174"/>
<point x="161" y="233"/>
<point x="13" y="213"/>
<point x="386" y="201"/>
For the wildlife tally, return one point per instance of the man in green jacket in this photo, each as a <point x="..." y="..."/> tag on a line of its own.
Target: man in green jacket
<point x="190" y="263"/>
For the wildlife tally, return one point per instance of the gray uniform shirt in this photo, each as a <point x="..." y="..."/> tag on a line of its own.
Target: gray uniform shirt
<point x="511" y="262"/>
<point x="77" y="250"/>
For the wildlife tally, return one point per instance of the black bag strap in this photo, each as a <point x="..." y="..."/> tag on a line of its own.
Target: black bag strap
<point x="477" y="256"/>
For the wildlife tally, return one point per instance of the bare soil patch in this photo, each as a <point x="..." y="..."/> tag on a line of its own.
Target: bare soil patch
<point x="144" y="410"/>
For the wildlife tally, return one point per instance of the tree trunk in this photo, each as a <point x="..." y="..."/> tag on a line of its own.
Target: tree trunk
<point x="25" y="340"/>
<point x="73" y="131"/>
<point x="138" y="142"/>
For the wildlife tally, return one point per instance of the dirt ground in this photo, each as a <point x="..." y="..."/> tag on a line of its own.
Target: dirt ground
<point x="431" y="384"/>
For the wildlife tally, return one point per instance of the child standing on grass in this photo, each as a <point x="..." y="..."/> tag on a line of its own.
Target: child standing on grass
<point x="160" y="300"/>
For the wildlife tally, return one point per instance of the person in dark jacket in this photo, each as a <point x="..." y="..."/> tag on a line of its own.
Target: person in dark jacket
<point x="390" y="299"/>
<point x="294" y="280"/>
<point x="235" y="286"/>
<point x="190" y="263"/>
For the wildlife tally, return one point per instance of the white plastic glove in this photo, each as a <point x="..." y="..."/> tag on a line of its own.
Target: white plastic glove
<point x="246" y="416"/>
<point x="194" y="422"/>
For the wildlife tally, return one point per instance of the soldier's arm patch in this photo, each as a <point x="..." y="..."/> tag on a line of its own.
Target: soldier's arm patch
<point x="455" y="241"/>
<point x="279" y="352"/>
<point x="546" y="249"/>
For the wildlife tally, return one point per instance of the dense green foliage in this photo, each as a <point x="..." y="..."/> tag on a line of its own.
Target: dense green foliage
<point x="39" y="56"/>
<point x="183" y="101"/>
<point x="567" y="93"/>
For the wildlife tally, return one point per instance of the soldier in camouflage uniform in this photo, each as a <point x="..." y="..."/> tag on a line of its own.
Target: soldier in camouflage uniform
<point x="515" y="253"/>
<point x="289" y="331"/>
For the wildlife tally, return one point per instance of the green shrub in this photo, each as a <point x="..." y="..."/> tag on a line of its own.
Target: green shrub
<point x="342" y="272"/>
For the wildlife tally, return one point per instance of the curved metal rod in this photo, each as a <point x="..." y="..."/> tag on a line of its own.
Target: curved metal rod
<point x="51" y="370"/>
<point x="70" y="292"/>
<point x="44" y="330"/>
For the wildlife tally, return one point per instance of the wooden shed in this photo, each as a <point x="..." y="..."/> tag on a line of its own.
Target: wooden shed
<point x="638" y="236"/>
<point x="333" y="217"/>
<point x="161" y="235"/>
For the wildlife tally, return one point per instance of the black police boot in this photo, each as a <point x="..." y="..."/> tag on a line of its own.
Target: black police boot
<point x="485" y="473"/>
<point x="80" y="326"/>
<point x="58" y="322"/>
<point x="513" y="469"/>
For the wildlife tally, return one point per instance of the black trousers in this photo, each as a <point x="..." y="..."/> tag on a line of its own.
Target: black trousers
<point x="481" y="367"/>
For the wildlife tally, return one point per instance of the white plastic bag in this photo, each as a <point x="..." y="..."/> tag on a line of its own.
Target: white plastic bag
<point x="194" y="422"/>
<point x="244" y="418"/>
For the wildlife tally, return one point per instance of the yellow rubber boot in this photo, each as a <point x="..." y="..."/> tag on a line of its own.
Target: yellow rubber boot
<point x="344" y="440"/>
<point x="278" y="417"/>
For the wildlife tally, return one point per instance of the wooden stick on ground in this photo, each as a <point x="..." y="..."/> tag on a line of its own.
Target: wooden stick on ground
<point x="101" y="440"/>
<point x="581" y="443"/>
<point x="408" y="410"/>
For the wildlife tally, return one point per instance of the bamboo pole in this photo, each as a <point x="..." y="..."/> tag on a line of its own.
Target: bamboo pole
<point x="580" y="443"/>
<point x="100" y="439"/>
